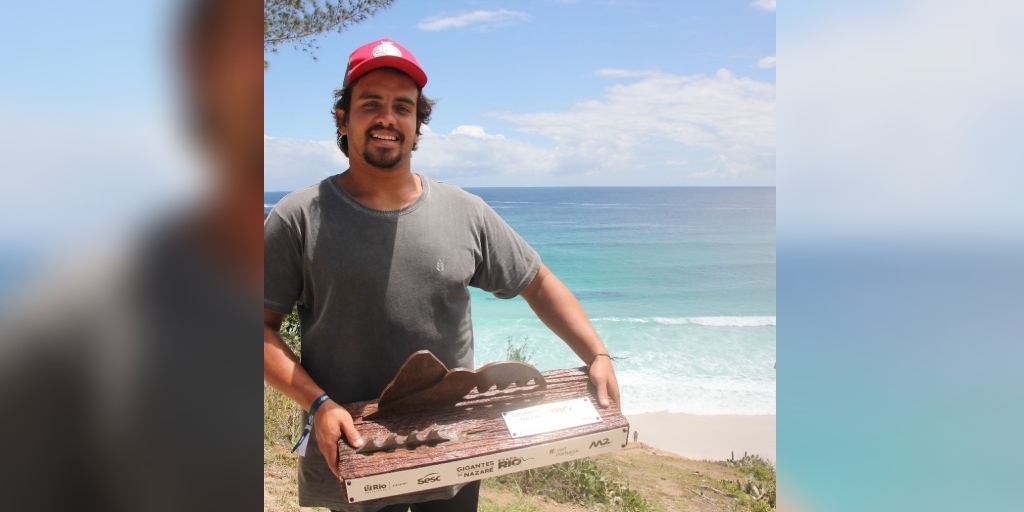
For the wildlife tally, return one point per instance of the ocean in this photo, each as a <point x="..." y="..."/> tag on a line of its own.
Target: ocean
<point x="678" y="281"/>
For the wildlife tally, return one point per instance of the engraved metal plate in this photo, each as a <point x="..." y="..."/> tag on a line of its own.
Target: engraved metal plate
<point x="550" y="417"/>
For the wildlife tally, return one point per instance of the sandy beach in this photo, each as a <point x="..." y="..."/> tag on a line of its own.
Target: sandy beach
<point x="706" y="437"/>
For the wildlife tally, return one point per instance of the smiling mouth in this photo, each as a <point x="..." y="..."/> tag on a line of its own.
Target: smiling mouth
<point x="392" y="138"/>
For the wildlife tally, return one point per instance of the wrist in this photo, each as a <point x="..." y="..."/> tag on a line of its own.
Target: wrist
<point x="301" y="445"/>
<point x="318" y="402"/>
<point x="598" y="356"/>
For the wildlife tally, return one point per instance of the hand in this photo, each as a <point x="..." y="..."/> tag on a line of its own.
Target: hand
<point x="330" y="422"/>
<point x="602" y="375"/>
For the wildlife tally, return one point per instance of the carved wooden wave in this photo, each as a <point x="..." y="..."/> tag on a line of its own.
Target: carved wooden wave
<point x="424" y="383"/>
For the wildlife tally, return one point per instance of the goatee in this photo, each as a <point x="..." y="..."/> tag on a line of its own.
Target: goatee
<point x="382" y="159"/>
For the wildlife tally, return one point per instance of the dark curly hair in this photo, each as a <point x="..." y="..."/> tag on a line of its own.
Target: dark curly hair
<point x="343" y="101"/>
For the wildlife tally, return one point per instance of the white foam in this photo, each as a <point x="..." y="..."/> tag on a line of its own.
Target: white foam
<point x="645" y="391"/>
<point x="671" y="364"/>
<point x="670" y="321"/>
<point x="734" y="321"/>
<point x="618" y="319"/>
<point x="706" y="321"/>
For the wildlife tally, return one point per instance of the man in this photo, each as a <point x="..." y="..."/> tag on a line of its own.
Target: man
<point x="378" y="260"/>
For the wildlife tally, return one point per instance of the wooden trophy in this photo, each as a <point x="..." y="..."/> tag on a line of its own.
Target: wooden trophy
<point x="434" y="427"/>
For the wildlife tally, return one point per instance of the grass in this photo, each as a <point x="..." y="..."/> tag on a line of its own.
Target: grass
<point x="579" y="482"/>
<point x="755" y="492"/>
<point x="488" y="504"/>
<point x="282" y="417"/>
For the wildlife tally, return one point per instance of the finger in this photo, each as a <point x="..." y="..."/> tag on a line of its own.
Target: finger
<point x="614" y="390"/>
<point x="350" y="433"/>
<point x="601" y="386"/>
<point x="602" y="396"/>
<point x="332" y="458"/>
<point x="329" y="449"/>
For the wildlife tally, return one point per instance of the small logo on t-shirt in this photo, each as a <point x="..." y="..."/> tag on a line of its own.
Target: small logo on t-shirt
<point x="440" y="265"/>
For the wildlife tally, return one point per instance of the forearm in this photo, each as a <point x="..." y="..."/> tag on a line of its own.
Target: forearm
<point x="282" y="370"/>
<point x="558" y="308"/>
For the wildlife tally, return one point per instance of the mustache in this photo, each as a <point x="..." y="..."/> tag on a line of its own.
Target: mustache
<point x="382" y="128"/>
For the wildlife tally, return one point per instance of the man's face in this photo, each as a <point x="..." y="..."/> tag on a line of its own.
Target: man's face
<point x="381" y="125"/>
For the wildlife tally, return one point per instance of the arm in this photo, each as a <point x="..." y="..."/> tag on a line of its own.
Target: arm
<point x="281" y="369"/>
<point x="558" y="308"/>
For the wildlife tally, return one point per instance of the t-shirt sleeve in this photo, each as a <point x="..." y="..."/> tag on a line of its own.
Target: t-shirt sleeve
<point x="282" y="264"/>
<point x="508" y="263"/>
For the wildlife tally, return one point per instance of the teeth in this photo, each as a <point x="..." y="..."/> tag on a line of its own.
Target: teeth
<point x="383" y="137"/>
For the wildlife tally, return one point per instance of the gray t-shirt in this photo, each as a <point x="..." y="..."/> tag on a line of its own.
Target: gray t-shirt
<point x="373" y="286"/>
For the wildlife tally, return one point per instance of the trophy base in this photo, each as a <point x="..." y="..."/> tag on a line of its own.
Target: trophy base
<point x="481" y="445"/>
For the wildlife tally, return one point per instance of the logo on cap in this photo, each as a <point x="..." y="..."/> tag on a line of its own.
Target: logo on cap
<point x="386" y="48"/>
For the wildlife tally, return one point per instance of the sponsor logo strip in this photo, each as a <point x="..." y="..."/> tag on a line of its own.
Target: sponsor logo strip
<point x="484" y="466"/>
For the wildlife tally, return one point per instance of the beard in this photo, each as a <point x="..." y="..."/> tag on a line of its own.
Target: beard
<point x="383" y="158"/>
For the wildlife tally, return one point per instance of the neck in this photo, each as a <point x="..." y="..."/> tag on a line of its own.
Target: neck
<point x="381" y="189"/>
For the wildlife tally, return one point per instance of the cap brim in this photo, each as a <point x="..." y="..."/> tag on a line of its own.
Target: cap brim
<point x="388" y="61"/>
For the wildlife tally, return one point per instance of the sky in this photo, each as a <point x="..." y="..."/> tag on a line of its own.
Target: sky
<point x="553" y="93"/>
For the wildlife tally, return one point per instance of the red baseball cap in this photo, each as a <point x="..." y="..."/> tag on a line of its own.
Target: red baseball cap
<point x="383" y="53"/>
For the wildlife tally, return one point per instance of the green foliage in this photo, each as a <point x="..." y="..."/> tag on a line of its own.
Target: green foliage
<point x="756" y="492"/>
<point x="298" y="22"/>
<point x="290" y="331"/>
<point x="521" y="353"/>
<point x="282" y="417"/>
<point x="581" y="482"/>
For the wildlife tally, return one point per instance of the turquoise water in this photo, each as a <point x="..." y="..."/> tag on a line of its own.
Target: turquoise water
<point x="679" y="282"/>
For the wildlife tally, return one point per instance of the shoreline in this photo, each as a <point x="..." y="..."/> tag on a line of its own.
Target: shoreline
<point x="706" y="437"/>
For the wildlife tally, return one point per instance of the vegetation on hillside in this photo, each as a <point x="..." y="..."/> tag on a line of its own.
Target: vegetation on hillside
<point x="755" y="492"/>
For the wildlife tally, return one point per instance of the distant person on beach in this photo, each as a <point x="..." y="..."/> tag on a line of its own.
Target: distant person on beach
<point x="635" y="435"/>
<point x="378" y="260"/>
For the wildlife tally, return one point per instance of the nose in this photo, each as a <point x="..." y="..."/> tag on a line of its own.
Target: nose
<point x="387" y="117"/>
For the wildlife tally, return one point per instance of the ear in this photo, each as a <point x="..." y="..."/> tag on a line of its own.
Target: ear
<point x="339" y="121"/>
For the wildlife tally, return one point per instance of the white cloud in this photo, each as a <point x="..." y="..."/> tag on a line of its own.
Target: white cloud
<point x="469" y="151"/>
<point x="479" y="20"/>
<point x="658" y="129"/>
<point x="289" y="164"/>
<point x="767" y="62"/>
<point x="475" y="131"/>
<point x="667" y="115"/>
<point x="764" y="5"/>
